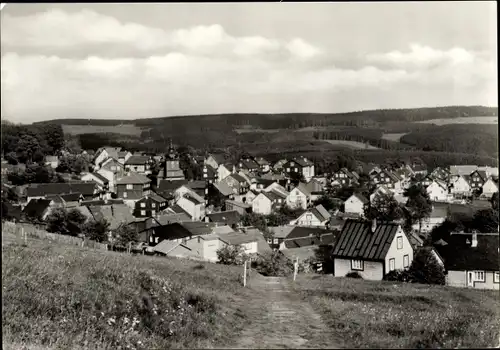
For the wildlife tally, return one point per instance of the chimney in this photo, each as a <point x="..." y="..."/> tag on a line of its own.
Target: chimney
<point x="374" y="225"/>
<point x="474" y="240"/>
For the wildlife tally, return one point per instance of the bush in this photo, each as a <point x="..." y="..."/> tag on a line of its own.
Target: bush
<point x="231" y="255"/>
<point x="354" y="275"/>
<point x="426" y="269"/>
<point x="273" y="264"/>
<point x="399" y="276"/>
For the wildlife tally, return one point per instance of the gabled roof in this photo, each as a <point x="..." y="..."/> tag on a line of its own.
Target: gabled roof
<point x="44" y="189"/>
<point x="235" y="238"/>
<point x="223" y="188"/>
<point x="281" y="231"/>
<point x="166" y="246"/>
<point x="356" y="241"/>
<point x="194" y="199"/>
<point x="322" y="239"/>
<point x="261" y="161"/>
<point x="114" y="214"/>
<point x="100" y="177"/>
<point x="70" y="197"/>
<point x="36" y="207"/>
<point x="165" y="219"/>
<point x="172" y="231"/>
<point x="122" y="154"/>
<point x="196" y="185"/>
<point x="238" y="178"/>
<point x="314" y="186"/>
<point x="302" y="188"/>
<point x="260" y="180"/>
<point x="198" y="227"/>
<point x="153" y="196"/>
<point x="481" y="173"/>
<point x="458" y="255"/>
<point x="321" y="213"/>
<point x="249" y="163"/>
<point x="137" y="160"/>
<point x="171" y="186"/>
<point x="302" y="161"/>
<point x="101" y="202"/>
<point x="360" y="197"/>
<point x="134" y="179"/>
<point x="220" y="158"/>
<point x="294" y="232"/>
<point x="177" y="209"/>
<point x="226" y="217"/>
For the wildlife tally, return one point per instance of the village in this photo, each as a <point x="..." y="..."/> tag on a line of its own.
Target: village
<point x="284" y="206"/>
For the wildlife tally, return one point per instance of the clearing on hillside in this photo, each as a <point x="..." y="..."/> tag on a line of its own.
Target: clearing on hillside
<point x="393" y="136"/>
<point x="351" y="144"/>
<point x="124" y="129"/>
<point x="462" y="120"/>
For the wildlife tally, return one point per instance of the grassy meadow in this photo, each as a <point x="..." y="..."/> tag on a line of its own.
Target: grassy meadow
<point x="58" y="296"/>
<point x="396" y="315"/>
<point x="125" y="129"/>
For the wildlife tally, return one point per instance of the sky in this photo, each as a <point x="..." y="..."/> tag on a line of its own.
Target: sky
<point x="135" y="61"/>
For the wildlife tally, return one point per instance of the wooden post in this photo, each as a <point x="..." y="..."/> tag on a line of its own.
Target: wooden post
<point x="25" y="236"/>
<point x="295" y="269"/>
<point x="245" y="274"/>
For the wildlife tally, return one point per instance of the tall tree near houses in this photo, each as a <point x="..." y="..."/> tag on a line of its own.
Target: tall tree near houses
<point x="383" y="207"/>
<point x="419" y="204"/>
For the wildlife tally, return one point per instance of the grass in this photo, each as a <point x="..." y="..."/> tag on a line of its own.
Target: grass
<point x="58" y="296"/>
<point x="393" y="315"/>
<point x="462" y="120"/>
<point x="125" y="129"/>
<point x="393" y="136"/>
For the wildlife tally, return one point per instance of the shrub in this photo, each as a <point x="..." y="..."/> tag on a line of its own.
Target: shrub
<point x="354" y="275"/>
<point x="273" y="264"/>
<point x="231" y="255"/>
<point x="426" y="269"/>
<point x="398" y="276"/>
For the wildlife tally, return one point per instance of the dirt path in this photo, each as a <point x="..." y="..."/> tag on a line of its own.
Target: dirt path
<point x="289" y="323"/>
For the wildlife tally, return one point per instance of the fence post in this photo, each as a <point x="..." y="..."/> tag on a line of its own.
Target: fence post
<point x="295" y="269"/>
<point x="245" y="274"/>
<point x="25" y="236"/>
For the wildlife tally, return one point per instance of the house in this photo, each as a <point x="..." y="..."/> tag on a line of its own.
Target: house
<point x="237" y="183"/>
<point x="386" y="178"/>
<point x="276" y="187"/>
<point x="67" y="201"/>
<point x="439" y="173"/>
<point x="266" y="202"/>
<point x="112" y="170"/>
<point x="241" y="208"/>
<point x="355" y="204"/>
<point x="167" y="188"/>
<point x="490" y="187"/>
<point x="150" y="205"/>
<point x="215" y="159"/>
<point x="419" y="169"/>
<point x="133" y="187"/>
<point x="123" y="156"/>
<point x="263" y="164"/>
<point x="248" y="164"/>
<point x="248" y="241"/>
<point x="89" y="190"/>
<point x="299" y="197"/>
<point x="317" y="217"/>
<point x="326" y="238"/>
<point x="316" y="188"/>
<point x="178" y="231"/>
<point x="460" y="185"/>
<point x="103" y="154"/>
<point x="259" y="184"/>
<point x="224" y="170"/>
<point x="300" y="166"/>
<point x="383" y="190"/>
<point x="282" y="234"/>
<point x="53" y="161"/>
<point x="345" y="177"/>
<point x="247" y="175"/>
<point x="197" y="188"/>
<point x="437" y="217"/>
<point x="437" y="191"/>
<point x="38" y="208"/>
<point x="193" y="204"/>
<point x="230" y="218"/>
<point x="224" y="190"/>
<point x="371" y="249"/>
<point x="138" y="164"/>
<point x="115" y="214"/>
<point x="99" y="179"/>
<point x="209" y="174"/>
<point x="279" y="165"/>
<point x="477" y="180"/>
<point x="471" y="260"/>
<point x="462" y="169"/>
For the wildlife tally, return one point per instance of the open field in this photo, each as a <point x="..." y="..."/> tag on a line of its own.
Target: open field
<point x="396" y="315"/>
<point x="125" y="129"/>
<point x="462" y="120"/>
<point x="350" y="144"/>
<point x="58" y="296"/>
<point x="393" y="136"/>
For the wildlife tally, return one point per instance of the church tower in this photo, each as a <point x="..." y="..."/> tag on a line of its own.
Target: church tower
<point x="172" y="168"/>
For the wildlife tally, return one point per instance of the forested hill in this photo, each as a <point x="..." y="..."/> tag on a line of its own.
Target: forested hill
<point x="293" y="120"/>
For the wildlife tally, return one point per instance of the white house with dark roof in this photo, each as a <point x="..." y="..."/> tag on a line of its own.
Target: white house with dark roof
<point x="314" y="217"/>
<point x="470" y="260"/>
<point x="355" y="204"/>
<point x="437" y="191"/>
<point x="193" y="204"/>
<point x="266" y="202"/>
<point x="301" y="166"/>
<point x="371" y="249"/>
<point x="138" y="164"/>
<point x="99" y="179"/>
<point x="490" y="187"/>
<point x="460" y="185"/>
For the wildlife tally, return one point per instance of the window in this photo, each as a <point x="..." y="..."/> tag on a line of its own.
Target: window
<point x="479" y="276"/>
<point x="400" y="242"/>
<point x="156" y="239"/>
<point x="496" y="277"/>
<point x="357" y="265"/>
<point x="288" y="169"/>
<point x="113" y="168"/>
<point x="296" y="169"/>
<point x="406" y="261"/>
<point x="143" y="205"/>
<point x="276" y="242"/>
<point x="392" y="264"/>
<point x="153" y="205"/>
<point x="269" y="241"/>
<point x="143" y="212"/>
<point x="151" y="239"/>
<point x="124" y="194"/>
<point x="130" y="187"/>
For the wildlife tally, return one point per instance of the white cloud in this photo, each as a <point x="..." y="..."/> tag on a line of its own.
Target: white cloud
<point x="301" y="49"/>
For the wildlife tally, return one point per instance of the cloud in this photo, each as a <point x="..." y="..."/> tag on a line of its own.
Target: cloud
<point x="203" y="69"/>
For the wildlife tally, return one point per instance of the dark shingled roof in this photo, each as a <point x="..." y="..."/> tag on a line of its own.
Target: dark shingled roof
<point x="356" y="241"/>
<point x="137" y="160"/>
<point x="36" y="207"/>
<point x="220" y="158"/>
<point x="459" y="255"/>
<point x="44" y="189"/>
<point x="225" y="217"/>
<point x="302" y="231"/>
<point x="323" y="239"/>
